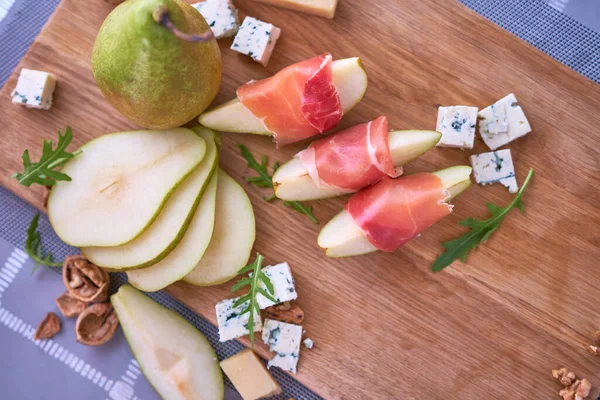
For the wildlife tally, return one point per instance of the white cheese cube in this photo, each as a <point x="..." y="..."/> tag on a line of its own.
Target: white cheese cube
<point x="231" y="321"/>
<point x="497" y="129"/>
<point x="308" y="343"/>
<point x="283" y="339"/>
<point x="281" y="278"/>
<point x="256" y="39"/>
<point x="495" y="166"/>
<point x="221" y="16"/>
<point x="34" y="89"/>
<point x="457" y="126"/>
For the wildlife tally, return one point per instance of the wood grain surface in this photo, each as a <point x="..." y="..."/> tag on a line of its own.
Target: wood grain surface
<point x="384" y="325"/>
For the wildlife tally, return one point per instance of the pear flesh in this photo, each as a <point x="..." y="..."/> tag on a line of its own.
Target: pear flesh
<point x="175" y="357"/>
<point x="349" y="77"/>
<point x="187" y="253"/>
<point x="120" y="183"/>
<point x="151" y="76"/>
<point x="232" y="239"/>
<point x="341" y="237"/>
<point x="167" y="230"/>
<point x="293" y="183"/>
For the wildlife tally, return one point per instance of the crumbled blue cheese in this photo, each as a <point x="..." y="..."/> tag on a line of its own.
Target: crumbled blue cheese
<point x="493" y="167"/>
<point x="503" y="122"/>
<point x="231" y="321"/>
<point x="34" y="89"/>
<point x="308" y="343"/>
<point x="281" y="278"/>
<point x="256" y="39"/>
<point x="457" y="126"/>
<point x="283" y="339"/>
<point x="221" y="16"/>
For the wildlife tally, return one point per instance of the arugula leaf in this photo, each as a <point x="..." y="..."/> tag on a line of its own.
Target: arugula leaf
<point x="43" y="172"/>
<point x="251" y="297"/>
<point x="266" y="181"/>
<point x="479" y="231"/>
<point x="33" y="247"/>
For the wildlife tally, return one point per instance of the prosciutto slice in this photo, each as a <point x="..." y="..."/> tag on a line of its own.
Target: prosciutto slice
<point x="394" y="211"/>
<point x="298" y="102"/>
<point x="351" y="159"/>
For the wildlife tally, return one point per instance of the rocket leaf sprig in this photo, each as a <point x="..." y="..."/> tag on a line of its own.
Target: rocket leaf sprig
<point x="33" y="247"/>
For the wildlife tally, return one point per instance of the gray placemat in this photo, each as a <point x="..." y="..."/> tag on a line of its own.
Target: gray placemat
<point x="15" y="215"/>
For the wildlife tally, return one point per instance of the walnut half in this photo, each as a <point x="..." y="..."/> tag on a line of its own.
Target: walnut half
<point x="69" y="306"/>
<point x="85" y="281"/>
<point x="96" y="324"/>
<point x="49" y="327"/>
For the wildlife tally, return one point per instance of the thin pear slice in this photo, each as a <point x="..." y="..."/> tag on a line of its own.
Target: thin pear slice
<point x="293" y="183"/>
<point x="349" y="77"/>
<point x="175" y="357"/>
<point x="341" y="237"/>
<point x="120" y="182"/>
<point x="167" y="230"/>
<point x="232" y="240"/>
<point x="187" y="253"/>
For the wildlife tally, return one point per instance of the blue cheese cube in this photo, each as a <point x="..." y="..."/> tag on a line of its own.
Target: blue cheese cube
<point x="34" y="89"/>
<point x="284" y="289"/>
<point x="493" y="167"/>
<point x="457" y="126"/>
<point x="283" y="339"/>
<point x="231" y="321"/>
<point x="221" y="16"/>
<point x="503" y="122"/>
<point x="309" y="343"/>
<point x="256" y="39"/>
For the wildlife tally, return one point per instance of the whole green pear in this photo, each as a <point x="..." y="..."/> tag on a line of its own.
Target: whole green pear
<point x="157" y="79"/>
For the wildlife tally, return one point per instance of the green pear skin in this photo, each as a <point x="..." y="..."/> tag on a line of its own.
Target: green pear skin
<point x="148" y="74"/>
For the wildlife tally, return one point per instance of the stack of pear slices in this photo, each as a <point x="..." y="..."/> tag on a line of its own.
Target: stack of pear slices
<point x="156" y="205"/>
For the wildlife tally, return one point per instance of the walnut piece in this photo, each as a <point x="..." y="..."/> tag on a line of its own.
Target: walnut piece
<point x="49" y="327"/>
<point x="286" y="312"/>
<point x="564" y="376"/>
<point x="69" y="306"/>
<point x="578" y="390"/>
<point x="96" y="324"/>
<point x="85" y="281"/>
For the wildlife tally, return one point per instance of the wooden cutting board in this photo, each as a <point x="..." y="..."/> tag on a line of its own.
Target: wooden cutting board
<point x="384" y="325"/>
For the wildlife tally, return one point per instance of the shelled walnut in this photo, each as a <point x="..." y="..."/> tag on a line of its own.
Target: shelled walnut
<point x="96" y="324"/>
<point x="594" y="348"/>
<point x="575" y="389"/>
<point x="286" y="312"/>
<point x="85" y="281"/>
<point x="69" y="306"/>
<point x="49" y="327"/>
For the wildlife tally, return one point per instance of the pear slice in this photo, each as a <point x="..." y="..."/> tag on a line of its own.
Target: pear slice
<point x="349" y="77"/>
<point x="341" y="237"/>
<point x="293" y="183"/>
<point x="187" y="253"/>
<point x="175" y="357"/>
<point x="120" y="182"/>
<point x="167" y="230"/>
<point x="232" y="240"/>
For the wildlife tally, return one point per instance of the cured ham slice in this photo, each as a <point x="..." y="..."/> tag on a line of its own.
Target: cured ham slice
<point x="394" y="211"/>
<point x="352" y="159"/>
<point x="298" y="102"/>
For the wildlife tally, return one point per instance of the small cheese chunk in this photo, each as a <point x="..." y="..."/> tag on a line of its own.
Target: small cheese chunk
<point x="281" y="278"/>
<point x="322" y="8"/>
<point x="457" y="126"/>
<point x="283" y="339"/>
<point x="496" y="166"/>
<point x="34" y="89"/>
<point x="249" y="376"/>
<point x="308" y="343"/>
<point x="231" y="321"/>
<point x="256" y="39"/>
<point x="221" y="16"/>
<point x="503" y="122"/>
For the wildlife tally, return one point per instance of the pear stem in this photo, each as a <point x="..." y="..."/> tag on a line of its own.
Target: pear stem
<point x="161" y="16"/>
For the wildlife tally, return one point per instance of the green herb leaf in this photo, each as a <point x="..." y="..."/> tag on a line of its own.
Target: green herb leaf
<point x="43" y="172"/>
<point x="250" y="299"/>
<point x="266" y="181"/>
<point x="479" y="231"/>
<point x="33" y="247"/>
